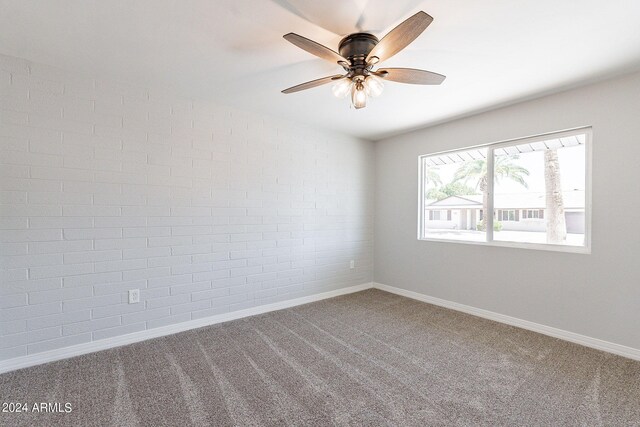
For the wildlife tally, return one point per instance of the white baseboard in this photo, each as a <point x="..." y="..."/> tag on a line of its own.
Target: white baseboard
<point x="90" y="347"/>
<point x="621" y="350"/>
<point x="93" y="346"/>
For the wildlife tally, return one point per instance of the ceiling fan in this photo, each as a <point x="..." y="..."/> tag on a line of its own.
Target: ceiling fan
<point x="359" y="53"/>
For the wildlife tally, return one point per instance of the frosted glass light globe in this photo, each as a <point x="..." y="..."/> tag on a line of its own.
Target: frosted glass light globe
<point x="341" y="88"/>
<point x="358" y="95"/>
<point x="373" y="85"/>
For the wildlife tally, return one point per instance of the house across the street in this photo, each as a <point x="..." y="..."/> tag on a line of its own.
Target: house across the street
<point x="516" y="211"/>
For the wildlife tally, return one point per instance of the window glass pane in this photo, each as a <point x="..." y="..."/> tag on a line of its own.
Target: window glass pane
<point x="453" y="186"/>
<point x="546" y="180"/>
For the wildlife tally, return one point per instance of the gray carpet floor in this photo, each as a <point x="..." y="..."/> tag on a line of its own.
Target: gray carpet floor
<point x="370" y="358"/>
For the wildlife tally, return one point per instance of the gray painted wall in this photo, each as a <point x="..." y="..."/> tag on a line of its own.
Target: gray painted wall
<point x="597" y="295"/>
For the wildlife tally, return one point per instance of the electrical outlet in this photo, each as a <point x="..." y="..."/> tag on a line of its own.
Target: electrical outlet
<point x="134" y="296"/>
<point x="352" y="264"/>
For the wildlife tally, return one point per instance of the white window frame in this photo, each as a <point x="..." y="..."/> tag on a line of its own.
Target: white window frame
<point x="491" y="147"/>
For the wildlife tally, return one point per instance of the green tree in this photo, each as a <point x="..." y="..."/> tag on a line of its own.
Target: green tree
<point x="476" y="170"/>
<point x="455" y="188"/>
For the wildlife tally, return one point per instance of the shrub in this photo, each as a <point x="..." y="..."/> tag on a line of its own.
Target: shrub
<point x="497" y="226"/>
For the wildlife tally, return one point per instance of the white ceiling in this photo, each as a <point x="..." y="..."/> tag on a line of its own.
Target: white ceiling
<point x="232" y="51"/>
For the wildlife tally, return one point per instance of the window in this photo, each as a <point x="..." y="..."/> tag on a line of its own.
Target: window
<point x="533" y="214"/>
<point x="507" y="215"/>
<point x="451" y="208"/>
<point x="534" y="190"/>
<point x="439" y="215"/>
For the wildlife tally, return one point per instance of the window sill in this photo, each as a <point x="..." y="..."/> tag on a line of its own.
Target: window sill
<point x="586" y="250"/>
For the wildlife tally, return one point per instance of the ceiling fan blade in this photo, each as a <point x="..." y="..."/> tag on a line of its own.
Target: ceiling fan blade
<point x="313" y="83"/>
<point x="400" y="37"/>
<point x="315" y="48"/>
<point x="411" y="76"/>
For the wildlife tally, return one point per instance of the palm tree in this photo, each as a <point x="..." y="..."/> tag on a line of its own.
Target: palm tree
<point x="432" y="176"/>
<point x="503" y="168"/>
<point x="556" y="222"/>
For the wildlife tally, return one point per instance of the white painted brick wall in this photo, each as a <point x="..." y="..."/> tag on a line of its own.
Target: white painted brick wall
<point x="106" y="187"/>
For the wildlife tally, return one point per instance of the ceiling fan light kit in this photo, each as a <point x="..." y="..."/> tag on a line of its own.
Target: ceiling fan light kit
<point x="359" y="53"/>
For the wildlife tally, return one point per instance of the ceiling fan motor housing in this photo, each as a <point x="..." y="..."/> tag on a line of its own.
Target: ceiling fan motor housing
<point x="355" y="47"/>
